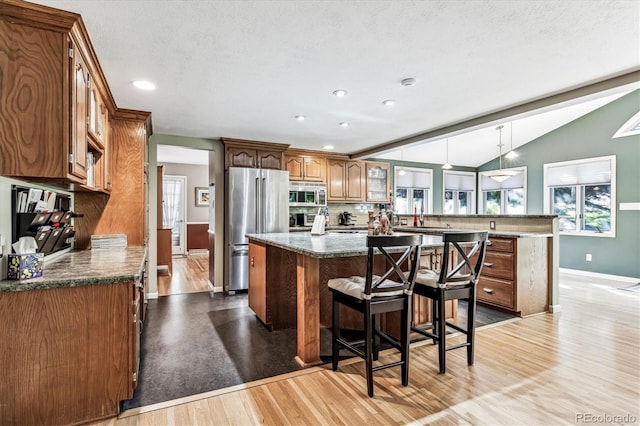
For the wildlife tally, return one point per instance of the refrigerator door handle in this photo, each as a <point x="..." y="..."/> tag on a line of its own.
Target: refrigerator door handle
<point x="263" y="209"/>
<point x="258" y="205"/>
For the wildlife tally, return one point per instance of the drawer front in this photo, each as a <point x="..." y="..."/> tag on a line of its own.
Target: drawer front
<point x="496" y="292"/>
<point x="498" y="265"/>
<point x="501" y="244"/>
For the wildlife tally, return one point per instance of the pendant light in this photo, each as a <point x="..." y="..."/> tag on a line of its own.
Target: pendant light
<point x="402" y="171"/>
<point x="511" y="154"/>
<point x="500" y="175"/>
<point x="446" y="165"/>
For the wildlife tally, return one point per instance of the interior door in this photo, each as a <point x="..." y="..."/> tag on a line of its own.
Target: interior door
<point x="174" y="197"/>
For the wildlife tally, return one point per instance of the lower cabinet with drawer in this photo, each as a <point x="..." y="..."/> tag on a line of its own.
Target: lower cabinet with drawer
<point x="515" y="275"/>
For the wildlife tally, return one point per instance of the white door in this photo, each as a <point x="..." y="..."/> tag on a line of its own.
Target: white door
<point x="174" y="206"/>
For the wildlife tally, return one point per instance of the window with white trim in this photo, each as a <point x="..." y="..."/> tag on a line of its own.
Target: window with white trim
<point x="413" y="190"/>
<point x="506" y="197"/>
<point x="459" y="192"/>
<point x="583" y="195"/>
<point x="630" y="128"/>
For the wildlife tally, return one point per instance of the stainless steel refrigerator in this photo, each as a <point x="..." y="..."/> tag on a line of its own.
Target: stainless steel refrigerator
<point x="257" y="201"/>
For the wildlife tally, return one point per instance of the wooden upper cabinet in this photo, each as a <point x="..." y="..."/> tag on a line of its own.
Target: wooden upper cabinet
<point x="345" y="180"/>
<point x="241" y="157"/>
<point x="377" y="182"/>
<point x="305" y="168"/>
<point x="79" y="114"/>
<point x="269" y="159"/>
<point x="54" y="102"/>
<point x="254" y="154"/>
<point x="355" y="181"/>
<point x="98" y="118"/>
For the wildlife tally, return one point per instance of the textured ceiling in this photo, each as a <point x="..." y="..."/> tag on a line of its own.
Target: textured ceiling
<point x="244" y="69"/>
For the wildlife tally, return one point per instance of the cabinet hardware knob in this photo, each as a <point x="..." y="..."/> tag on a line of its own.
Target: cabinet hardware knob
<point x="488" y="290"/>
<point x="78" y="66"/>
<point x="488" y="265"/>
<point x="252" y="261"/>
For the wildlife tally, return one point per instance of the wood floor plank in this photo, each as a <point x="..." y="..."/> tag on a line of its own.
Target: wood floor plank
<point x="544" y="369"/>
<point x="190" y="275"/>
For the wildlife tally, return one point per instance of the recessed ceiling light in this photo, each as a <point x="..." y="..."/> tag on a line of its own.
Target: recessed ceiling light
<point x="340" y="93"/>
<point x="344" y="124"/>
<point x="408" y="81"/>
<point x="388" y="102"/>
<point x="300" y="117"/>
<point x="328" y="147"/>
<point x="144" y="85"/>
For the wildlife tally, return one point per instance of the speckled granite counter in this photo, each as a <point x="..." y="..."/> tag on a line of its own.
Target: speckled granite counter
<point x="495" y="234"/>
<point x="85" y="267"/>
<point x="331" y="244"/>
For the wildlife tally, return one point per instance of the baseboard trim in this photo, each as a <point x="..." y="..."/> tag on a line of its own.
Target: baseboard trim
<point x="599" y="275"/>
<point x="554" y="309"/>
<point x="152" y="295"/>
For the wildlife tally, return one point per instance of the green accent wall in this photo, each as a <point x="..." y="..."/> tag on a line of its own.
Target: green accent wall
<point x="586" y="137"/>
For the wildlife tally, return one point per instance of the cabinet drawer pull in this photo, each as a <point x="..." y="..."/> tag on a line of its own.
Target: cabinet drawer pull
<point x="488" y="290"/>
<point x="488" y="265"/>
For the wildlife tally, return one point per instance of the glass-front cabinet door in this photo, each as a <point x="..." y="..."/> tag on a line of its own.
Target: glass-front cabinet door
<point x="377" y="182"/>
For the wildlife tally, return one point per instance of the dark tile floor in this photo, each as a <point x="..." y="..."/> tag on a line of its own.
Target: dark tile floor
<point x="198" y="342"/>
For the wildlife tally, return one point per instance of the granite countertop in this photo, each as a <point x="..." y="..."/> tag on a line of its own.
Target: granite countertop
<point x="331" y="244"/>
<point x="84" y="267"/>
<point x="492" y="233"/>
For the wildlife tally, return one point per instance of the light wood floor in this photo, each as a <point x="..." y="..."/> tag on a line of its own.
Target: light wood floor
<point x="190" y="275"/>
<point x="542" y="370"/>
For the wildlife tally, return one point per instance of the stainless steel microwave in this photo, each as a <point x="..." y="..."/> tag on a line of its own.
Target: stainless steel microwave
<point x="307" y="194"/>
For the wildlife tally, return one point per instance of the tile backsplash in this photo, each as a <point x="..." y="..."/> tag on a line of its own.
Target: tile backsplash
<point x="359" y="215"/>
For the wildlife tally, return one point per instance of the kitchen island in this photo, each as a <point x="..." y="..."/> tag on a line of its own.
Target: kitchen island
<point x="71" y="339"/>
<point x="288" y="273"/>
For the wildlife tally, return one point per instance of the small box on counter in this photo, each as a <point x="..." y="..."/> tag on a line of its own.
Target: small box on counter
<point x="25" y="266"/>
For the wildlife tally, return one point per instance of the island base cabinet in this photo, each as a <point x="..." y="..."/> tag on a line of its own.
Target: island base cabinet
<point x="514" y="277"/>
<point x="272" y="286"/>
<point x="66" y="354"/>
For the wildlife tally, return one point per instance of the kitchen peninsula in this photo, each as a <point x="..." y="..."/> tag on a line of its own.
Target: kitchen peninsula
<point x="284" y="299"/>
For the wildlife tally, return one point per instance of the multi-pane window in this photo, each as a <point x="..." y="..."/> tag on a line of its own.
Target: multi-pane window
<point x="459" y="192"/>
<point x="582" y="194"/>
<point x="506" y="196"/>
<point x="413" y="190"/>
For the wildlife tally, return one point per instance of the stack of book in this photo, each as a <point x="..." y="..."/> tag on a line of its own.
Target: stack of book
<point x="109" y="242"/>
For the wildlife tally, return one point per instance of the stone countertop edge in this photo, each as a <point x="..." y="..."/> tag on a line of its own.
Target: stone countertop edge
<point x="85" y="267"/>
<point x="492" y="233"/>
<point x="325" y="246"/>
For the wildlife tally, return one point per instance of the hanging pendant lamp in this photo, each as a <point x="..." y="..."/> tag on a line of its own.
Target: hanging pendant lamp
<point x="511" y="154"/>
<point x="500" y="175"/>
<point x="446" y="165"/>
<point x="402" y="171"/>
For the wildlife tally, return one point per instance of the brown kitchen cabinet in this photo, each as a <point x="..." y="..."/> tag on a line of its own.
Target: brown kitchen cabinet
<point x="272" y="299"/>
<point x="254" y="154"/>
<point x="377" y="182"/>
<point x="124" y="211"/>
<point x="257" y="292"/>
<point x="303" y="167"/>
<point x="75" y="353"/>
<point x="46" y="134"/>
<point x="514" y="275"/>
<point x="345" y="180"/>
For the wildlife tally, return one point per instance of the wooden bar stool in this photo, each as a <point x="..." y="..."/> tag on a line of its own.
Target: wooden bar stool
<point x="449" y="283"/>
<point x="373" y="295"/>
